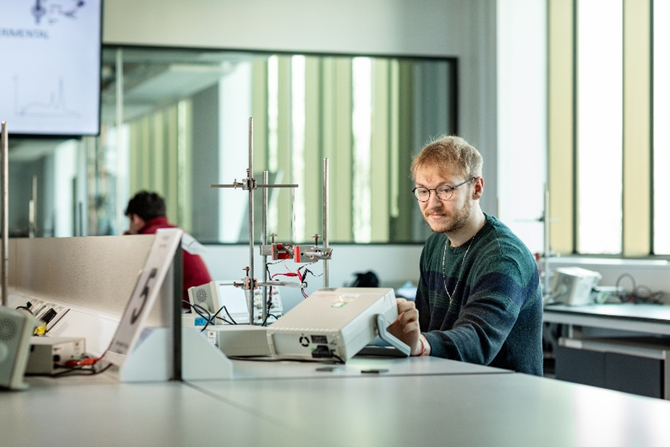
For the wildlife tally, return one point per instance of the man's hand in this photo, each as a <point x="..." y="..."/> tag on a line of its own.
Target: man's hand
<point x="406" y="327"/>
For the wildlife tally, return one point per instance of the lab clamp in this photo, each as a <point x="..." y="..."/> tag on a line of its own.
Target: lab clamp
<point x="274" y="250"/>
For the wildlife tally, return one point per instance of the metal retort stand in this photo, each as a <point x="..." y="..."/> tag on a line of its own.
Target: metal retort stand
<point x="276" y="251"/>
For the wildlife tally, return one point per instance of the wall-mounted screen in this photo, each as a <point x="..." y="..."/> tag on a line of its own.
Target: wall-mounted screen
<point x="50" y="77"/>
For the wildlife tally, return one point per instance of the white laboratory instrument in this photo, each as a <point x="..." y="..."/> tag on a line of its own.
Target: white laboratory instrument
<point x="240" y="340"/>
<point x="48" y="355"/>
<point x="16" y="330"/>
<point x="335" y="324"/>
<point x="573" y="285"/>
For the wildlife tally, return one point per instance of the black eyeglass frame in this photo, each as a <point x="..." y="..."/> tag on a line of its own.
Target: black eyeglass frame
<point x="444" y="188"/>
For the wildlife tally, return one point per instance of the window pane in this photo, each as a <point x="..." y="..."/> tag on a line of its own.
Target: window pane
<point x="298" y="143"/>
<point x="599" y="126"/>
<point x="661" y="136"/>
<point x="362" y="131"/>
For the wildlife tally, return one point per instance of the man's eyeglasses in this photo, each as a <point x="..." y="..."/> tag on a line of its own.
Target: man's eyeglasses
<point x="443" y="192"/>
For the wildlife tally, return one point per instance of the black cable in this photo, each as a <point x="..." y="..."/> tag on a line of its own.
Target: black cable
<point x="88" y="371"/>
<point x="226" y="321"/>
<point x="638" y="294"/>
<point x="25" y="308"/>
<point x="216" y="315"/>
<point x="304" y="276"/>
<point x="230" y="316"/>
<point x="309" y="271"/>
<point x="340" y="359"/>
<point x="265" y="322"/>
<point x="203" y="313"/>
<point x="634" y="285"/>
<point x="269" y="302"/>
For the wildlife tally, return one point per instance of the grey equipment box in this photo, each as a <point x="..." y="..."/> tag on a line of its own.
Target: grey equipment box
<point x="48" y="354"/>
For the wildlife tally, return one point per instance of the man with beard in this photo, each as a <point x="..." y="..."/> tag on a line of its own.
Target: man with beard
<point x="479" y="297"/>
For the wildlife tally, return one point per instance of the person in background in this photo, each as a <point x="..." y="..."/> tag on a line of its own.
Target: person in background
<point x="146" y="212"/>
<point x="478" y="298"/>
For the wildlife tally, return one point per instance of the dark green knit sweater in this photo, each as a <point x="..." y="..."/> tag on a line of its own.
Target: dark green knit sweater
<point x="495" y="315"/>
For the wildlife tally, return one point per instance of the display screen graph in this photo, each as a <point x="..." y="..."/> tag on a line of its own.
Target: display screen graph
<point x="50" y="76"/>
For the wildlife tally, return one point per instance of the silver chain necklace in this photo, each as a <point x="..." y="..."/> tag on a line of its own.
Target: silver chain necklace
<point x="444" y="265"/>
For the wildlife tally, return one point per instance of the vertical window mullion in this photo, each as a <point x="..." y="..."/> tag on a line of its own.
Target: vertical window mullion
<point x="661" y="131"/>
<point x="636" y="130"/>
<point x="561" y="125"/>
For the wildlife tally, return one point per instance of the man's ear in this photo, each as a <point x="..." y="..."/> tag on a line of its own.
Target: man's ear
<point x="478" y="190"/>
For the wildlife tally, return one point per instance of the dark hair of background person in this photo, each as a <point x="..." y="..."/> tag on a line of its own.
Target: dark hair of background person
<point x="147" y="205"/>
<point x="367" y="279"/>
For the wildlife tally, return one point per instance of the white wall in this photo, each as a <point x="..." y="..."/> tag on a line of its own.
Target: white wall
<point x="430" y="27"/>
<point x="460" y="28"/>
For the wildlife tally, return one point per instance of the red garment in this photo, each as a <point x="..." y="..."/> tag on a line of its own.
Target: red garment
<point x="195" y="270"/>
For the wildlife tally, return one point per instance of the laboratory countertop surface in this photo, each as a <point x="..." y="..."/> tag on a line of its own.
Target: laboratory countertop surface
<point x="651" y="318"/>
<point x="255" y="369"/>
<point x="645" y="312"/>
<point x="137" y="414"/>
<point x="417" y="401"/>
<point x="460" y="410"/>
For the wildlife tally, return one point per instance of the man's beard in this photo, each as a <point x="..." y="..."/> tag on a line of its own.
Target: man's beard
<point x="456" y="220"/>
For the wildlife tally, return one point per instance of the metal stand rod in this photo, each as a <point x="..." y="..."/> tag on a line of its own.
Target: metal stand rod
<point x="5" y="214"/>
<point x="547" y="278"/>
<point x="282" y="283"/>
<point x="250" y="174"/>
<point x="264" y="235"/>
<point x="325" y="220"/>
<point x="258" y="185"/>
<point x="32" y="207"/>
